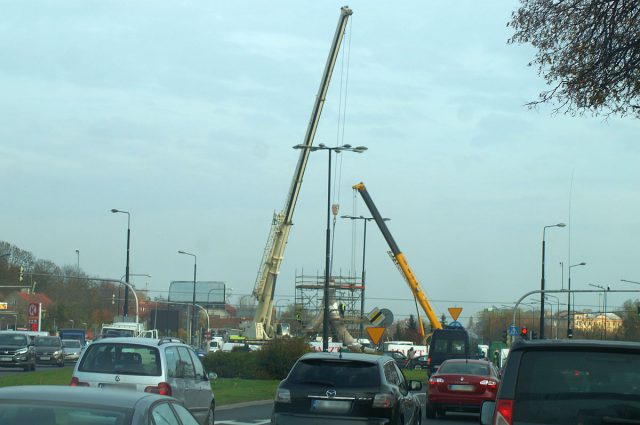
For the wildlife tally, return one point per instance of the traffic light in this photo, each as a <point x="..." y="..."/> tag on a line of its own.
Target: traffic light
<point x="524" y="333"/>
<point x="505" y="337"/>
<point x="21" y="274"/>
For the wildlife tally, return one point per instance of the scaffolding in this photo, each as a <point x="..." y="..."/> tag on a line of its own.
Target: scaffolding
<point x="309" y="299"/>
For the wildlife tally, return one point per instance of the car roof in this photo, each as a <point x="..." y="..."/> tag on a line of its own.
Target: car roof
<point x="360" y="357"/>
<point x="61" y="394"/>
<point x="138" y="340"/>
<point x="473" y="361"/>
<point x="568" y="344"/>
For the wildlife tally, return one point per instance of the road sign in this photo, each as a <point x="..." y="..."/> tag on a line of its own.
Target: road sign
<point x="375" y="333"/>
<point x="376" y="317"/>
<point x="33" y="310"/>
<point x="513" y="330"/>
<point x="455" y="312"/>
<point x="388" y="317"/>
<point x="456" y="324"/>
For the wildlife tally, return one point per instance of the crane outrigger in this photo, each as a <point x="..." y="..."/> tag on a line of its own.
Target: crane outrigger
<point x="261" y="328"/>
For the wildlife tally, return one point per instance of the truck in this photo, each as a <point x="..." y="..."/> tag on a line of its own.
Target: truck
<point x="126" y="329"/>
<point x="77" y="334"/>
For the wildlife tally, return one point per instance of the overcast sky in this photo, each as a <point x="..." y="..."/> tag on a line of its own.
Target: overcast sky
<point x="185" y="113"/>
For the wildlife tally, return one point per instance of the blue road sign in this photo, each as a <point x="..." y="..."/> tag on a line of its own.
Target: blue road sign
<point x="513" y="330"/>
<point x="455" y="324"/>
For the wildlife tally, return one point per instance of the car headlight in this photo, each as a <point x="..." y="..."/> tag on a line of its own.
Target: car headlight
<point x="57" y="353"/>
<point x="22" y="351"/>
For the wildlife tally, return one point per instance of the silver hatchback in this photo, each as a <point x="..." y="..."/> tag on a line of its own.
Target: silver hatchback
<point x="161" y="366"/>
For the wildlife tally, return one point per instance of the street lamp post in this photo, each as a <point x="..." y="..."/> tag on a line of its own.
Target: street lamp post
<point x="542" y="281"/>
<point x="604" y="296"/>
<point x="327" y="272"/>
<point x="125" y="308"/>
<point x="193" y="303"/>
<point x="364" y="246"/>
<point x="78" y="264"/>
<point x="569" y="314"/>
<point x="557" y="313"/>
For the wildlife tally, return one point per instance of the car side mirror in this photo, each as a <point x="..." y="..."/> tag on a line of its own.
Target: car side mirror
<point x="212" y="376"/>
<point x="415" y="385"/>
<point x="486" y="413"/>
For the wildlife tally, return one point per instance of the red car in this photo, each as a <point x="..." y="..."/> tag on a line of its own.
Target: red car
<point x="461" y="385"/>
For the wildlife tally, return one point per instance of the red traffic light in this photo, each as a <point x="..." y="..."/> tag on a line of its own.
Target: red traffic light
<point x="524" y="331"/>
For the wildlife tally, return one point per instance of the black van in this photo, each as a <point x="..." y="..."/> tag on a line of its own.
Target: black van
<point x="448" y="344"/>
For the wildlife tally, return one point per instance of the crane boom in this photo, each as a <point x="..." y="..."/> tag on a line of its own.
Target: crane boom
<point x="264" y="289"/>
<point x="399" y="258"/>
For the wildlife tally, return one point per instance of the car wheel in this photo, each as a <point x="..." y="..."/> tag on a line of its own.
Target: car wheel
<point x="210" y="415"/>
<point x="441" y="412"/>
<point x="430" y="411"/>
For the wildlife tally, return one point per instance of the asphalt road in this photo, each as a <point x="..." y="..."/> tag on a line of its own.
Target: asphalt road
<point x="39" y="368"/>
<point x="259" y="413"/>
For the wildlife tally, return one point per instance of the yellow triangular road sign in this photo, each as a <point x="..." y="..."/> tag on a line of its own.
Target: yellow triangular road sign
<point x="375" y="333"/>
<point x="455" y="312"/>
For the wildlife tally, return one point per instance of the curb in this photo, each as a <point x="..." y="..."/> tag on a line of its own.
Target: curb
<point x="245" y="404"/>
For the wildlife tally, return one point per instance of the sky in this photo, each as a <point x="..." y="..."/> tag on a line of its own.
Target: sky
<point x="185" y="113"/>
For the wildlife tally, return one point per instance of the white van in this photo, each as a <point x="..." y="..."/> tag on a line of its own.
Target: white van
<point x="215" y="344"/>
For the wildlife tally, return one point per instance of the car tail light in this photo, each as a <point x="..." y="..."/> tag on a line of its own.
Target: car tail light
<point x="75" y="382"/>
<point x="489" y="383"/>
<point x="163" y="388"/>
<point x="436" y="381"/>
<point x="504" y="412"/>
<point x="283" y="395"/>
<point x="384" y="400"/>
<point x="428" y="360"/>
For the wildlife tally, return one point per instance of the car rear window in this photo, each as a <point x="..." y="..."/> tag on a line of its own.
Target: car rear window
<point x="335" y="373"/>
<point x="577" y="387"/>
<point x="123" y="359"/>
<point x="464" y="368"/>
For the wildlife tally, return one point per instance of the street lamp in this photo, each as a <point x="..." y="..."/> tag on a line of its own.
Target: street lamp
<point x="364" y="245"/>
<point x="557" y="313"/>
<point x="193" y="303"/>
<point x="125" y="309"/>
<point x="604" y="296"/>
<point x="78" y="264"/>
<point x="569" y="315"/>
<point x="542" y="281"/>
<point x="327" y="272"/>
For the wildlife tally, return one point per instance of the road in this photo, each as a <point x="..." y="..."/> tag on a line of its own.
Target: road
<point x="39" y="368"/>
<point x="259" y="413"/>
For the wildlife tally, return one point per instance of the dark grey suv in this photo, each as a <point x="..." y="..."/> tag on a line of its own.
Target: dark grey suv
<point x="568" y="382"/>
<point x="16" y="351"/>
<point x="339" y="388"/>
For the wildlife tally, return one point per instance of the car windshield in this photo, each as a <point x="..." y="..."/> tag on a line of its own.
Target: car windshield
<point x="9" y="339"/>
<point x="578" y="387"/>
<point x="25" y="412"/>
<point x="123" y="359"/>
<point x="338" y="374"/>
<point x="47" y="341"/>
<point x="464" y="368"/>
<point x="71" y="343"/>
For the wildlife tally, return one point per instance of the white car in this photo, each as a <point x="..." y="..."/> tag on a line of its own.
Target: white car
<point x="72" y="349"/>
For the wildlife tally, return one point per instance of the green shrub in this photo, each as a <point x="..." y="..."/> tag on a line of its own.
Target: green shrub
<point x="236" y="364"/>
<point x="278" y="356"/>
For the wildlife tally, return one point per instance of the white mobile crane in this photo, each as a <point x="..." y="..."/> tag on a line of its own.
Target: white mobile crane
<point x="262" y="328"/>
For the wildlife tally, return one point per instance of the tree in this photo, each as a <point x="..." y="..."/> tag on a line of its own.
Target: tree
<point x="588" y="51"/>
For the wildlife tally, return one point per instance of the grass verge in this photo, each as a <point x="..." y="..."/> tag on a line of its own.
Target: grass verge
<point x="227" y="391"/>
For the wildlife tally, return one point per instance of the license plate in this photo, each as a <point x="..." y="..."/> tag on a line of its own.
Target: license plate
<point x="458" y="387"/>
<point x="6" y="359"/>
<point x="337" y="406"/>
<point x="45" y="358"/>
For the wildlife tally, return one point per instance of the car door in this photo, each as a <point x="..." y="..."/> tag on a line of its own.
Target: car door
<point x="185" y="364"/>
<point x="407" y="399"/>
<point x="175" y="374"/>
<point x="201" y="387"/>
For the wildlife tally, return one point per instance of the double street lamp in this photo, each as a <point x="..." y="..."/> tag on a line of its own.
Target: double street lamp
<point x="336" y="149"/>
<point x="125" y="309"/>
<point x="364" y="245"/>
<point x="193" y="303"/>
<point x="569" y="315"/>
<point x="542" y="281"/>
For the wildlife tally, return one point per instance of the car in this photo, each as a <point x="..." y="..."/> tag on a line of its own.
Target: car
<point x="16" y="350"/>
<point x="164" y="366"/>
<point x="568" y="382"/>
<point x="72" y="349"/>
<point x="54" y="405"/>
<point x="400" y="358"/>
<point x="349" y="388"/>
<point x="49" y="350"/>
<point x="461" y="385"/>
<point x="420" y="362"/>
